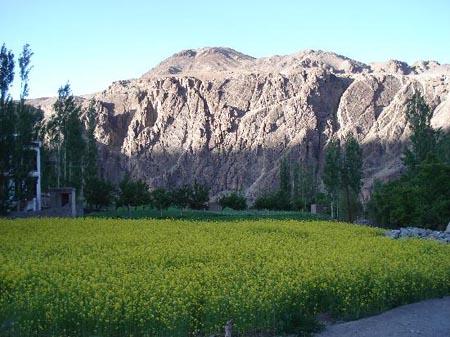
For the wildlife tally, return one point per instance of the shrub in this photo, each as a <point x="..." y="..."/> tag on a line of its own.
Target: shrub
<point x="98" y="193"/>
<point x="279" y="200"/>
<point x="199" y="196"/>
<point x="234" y="201"/>
<point x="161" y="199"/>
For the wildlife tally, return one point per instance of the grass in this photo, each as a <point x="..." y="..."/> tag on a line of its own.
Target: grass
<point x="205" y="215"/>
<point x="116" y="277"/>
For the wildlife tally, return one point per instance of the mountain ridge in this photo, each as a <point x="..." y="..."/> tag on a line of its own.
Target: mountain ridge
<point x="227" y="118"/>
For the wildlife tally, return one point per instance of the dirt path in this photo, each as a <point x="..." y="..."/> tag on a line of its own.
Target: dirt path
<point x="429" y="318"/>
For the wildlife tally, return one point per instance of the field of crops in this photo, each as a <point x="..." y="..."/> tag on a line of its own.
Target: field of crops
<point x="100" y="277"/>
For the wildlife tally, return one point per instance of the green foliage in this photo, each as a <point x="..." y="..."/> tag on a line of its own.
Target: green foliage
<point x="347" y="204"/>
<point x="351" y="173"/>
<point x="332" y="170"/>
<point x="7" y="126"/>
<point x="181" y="196"/>
<point x="133" y="193"/>
<point x="98" y="193"/>
<point x="421" y="197"/>
<point x="299" y="204"/>
<point x="342" y="176"/>
<point x="304" y="185"/>
<point x="18" y="129"/>
<point x="7" y="122"/>
<point x="332" y="174"/>
<point x="234" y="201"/>
<point x="279" y="200"/>
<point x="443" y="147"/>
<point x="161" y="199"/>
<point x="92" y="277"/>
<point x="126" y="192"/>
<point x="205" y="215"/>
<point x="91" y="167"/>
<point x="25" y="68"/>
<point x="297" y="188"/>
<point x="66" y="144"/>
<point x="424" y="137"/>
<point x="6" y="73"/>
<point x="199" y="196"/>
<point x="7" y="129"/>
<point x="26" y="131"/>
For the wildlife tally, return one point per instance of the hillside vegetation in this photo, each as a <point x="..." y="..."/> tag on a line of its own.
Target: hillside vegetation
<point x="106" y="277"/>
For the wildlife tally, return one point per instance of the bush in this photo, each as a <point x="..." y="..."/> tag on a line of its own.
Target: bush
<point x="98" y="193"/>
<point x="421" y="199"/>
<point x="299" y="204"/>
<point x="199" y="196"/>
<point x="133" y="193"/>
<point x="161" y="199"/>
<point x="234" y="201"/>
<point x="279" y="200"/>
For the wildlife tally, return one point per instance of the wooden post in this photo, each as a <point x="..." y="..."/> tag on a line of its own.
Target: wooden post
<point x="228" y="328"/>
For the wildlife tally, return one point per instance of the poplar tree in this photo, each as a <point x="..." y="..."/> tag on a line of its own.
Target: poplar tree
<point x="91" y="167"/>
<point x="7" y="121"/>
<point x="65" y="135"/>
<point x="351" y="173"/>
<point x="332" y="175"/>
<point x="98" y="192"/>
<point x="18" y="128"/>
<point x="26" y="127"/>
<point x="421" y="196"/>
<point x="423" y="137"/>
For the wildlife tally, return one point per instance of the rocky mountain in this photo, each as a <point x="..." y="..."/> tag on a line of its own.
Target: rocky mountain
<point x="226" y="119"/>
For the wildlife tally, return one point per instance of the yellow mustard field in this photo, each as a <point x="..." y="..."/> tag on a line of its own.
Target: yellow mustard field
<point x="107" y="277"/>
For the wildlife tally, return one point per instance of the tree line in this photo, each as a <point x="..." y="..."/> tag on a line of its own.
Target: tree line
<point x="19" y="126"/>
<point x="421" y="196"/>
<point x="299" y="182"/>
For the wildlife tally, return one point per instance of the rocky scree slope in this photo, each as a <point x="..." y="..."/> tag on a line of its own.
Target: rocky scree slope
<point x="226" y="119"/>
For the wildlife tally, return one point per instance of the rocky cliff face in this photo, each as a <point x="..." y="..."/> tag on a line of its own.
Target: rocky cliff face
<point x="226" y="119"/>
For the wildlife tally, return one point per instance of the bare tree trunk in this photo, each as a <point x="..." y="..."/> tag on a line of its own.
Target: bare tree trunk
<point x="349" y="206"/>
<point x="58" y="167"/>
<point x="229" y="328"/>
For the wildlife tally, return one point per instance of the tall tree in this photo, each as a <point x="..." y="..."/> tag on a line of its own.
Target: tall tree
<point x="199" y="196"/>
<point x="18" y="126"/>
<point x="91" y="180"/>
<point x="6" y="73"/>
<point x="7" y="122"/>
<point x="423" y="136"/>
<point x="421" y="196"/>
<point x="26" y="131"/>
<point x="99" y="193"/>
<point x="332" y="174"/>
<point x="180" y="197"/>
<point x="161" y="199"/>
<point x="91" y="167"/>
<point x="65" y="135"/>
<point x="351" y="173"/>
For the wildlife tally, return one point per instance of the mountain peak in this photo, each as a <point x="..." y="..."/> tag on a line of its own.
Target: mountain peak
<point x="199" y="61"/>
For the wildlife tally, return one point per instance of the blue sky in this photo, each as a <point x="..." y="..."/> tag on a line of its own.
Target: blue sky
<point x="92" y="43"/>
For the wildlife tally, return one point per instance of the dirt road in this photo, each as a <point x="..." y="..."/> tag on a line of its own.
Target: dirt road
<point x="429" y="318"/>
